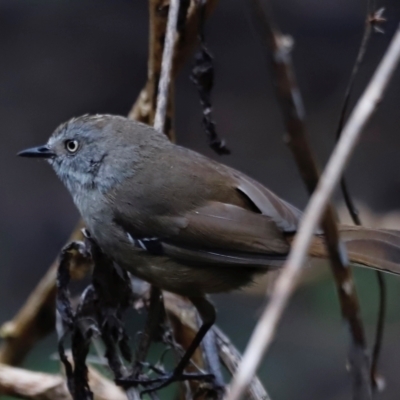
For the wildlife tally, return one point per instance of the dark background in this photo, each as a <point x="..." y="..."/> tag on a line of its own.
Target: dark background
<point x="62" y="58"/>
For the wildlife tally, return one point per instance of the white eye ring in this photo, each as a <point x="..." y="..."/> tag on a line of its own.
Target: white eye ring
<point x="72" y="146"/>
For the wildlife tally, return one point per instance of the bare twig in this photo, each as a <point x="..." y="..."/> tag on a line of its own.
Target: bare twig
<point x="359" y="60"/>
<point x="373" y="17"/>
<point x="231" y="358"/>
<point x="166" y="66"/>
<point x="264" y="332"/>
<point x="376" y="379"/>
<point x="21" y="383"/>
<point x="26" y="384"/>
<point x="144" y="109"/>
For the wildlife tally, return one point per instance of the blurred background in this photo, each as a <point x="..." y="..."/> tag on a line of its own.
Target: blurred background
<point x="62" y="58"/>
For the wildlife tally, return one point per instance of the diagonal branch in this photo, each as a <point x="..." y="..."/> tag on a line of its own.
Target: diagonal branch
<point x="264" y="332"/>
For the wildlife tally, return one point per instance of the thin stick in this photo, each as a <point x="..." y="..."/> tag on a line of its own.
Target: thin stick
<point x="377" y="380"/>
<point x="166" y="66"/>
<point x="264" y="331"/>
<point x="359" y="60"/>
<point x="231" y="358"/>
<point x="372" y="18"/>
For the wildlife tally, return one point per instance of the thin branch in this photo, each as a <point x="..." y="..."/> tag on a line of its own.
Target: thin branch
<point x="376" y="379"/>
<point x="231" y="358"/>
<point x="264" y="331"/>
<point x="373" y="17"/>
<point x="21" y="383"/>
<point x="166" y="66"/>
<point x="373" y="20"/>
<point x="359" y="60"/>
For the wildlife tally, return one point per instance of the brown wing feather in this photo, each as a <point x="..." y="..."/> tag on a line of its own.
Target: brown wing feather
<point x="229" y="227"/>
<point x="282" y="213"/>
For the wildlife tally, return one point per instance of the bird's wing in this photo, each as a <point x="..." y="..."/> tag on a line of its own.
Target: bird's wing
<point x="223" y="234"/>
<point x="215" y="234"/>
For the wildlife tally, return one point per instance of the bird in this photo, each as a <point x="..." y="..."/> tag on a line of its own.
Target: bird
<point x="181" y="221"/>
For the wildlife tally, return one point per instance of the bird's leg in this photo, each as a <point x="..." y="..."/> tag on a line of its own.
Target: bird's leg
<point x="208" y="316"/>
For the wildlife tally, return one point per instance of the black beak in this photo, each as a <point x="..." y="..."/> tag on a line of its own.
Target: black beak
<point x="37" y="152"/>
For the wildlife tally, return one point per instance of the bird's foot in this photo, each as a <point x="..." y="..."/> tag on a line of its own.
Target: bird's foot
<point x="163" y="380"/>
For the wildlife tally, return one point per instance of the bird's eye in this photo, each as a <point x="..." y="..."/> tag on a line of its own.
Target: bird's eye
<point x="71" y="146"/>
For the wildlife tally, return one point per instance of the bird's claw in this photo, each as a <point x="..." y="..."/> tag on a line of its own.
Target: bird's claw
<point x="163" y="380"/>
<point x="167" y="379"/>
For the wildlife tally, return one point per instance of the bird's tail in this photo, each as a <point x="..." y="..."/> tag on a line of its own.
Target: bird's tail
<point x="373" y="248"/>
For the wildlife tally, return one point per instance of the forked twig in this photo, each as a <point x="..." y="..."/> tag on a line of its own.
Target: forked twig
<point x="264" y="331"/>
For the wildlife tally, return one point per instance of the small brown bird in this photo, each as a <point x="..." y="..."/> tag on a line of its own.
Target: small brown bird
<point x="181" y="221"/>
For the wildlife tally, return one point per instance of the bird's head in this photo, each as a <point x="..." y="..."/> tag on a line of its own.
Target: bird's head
<point x="92" y="151"/>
